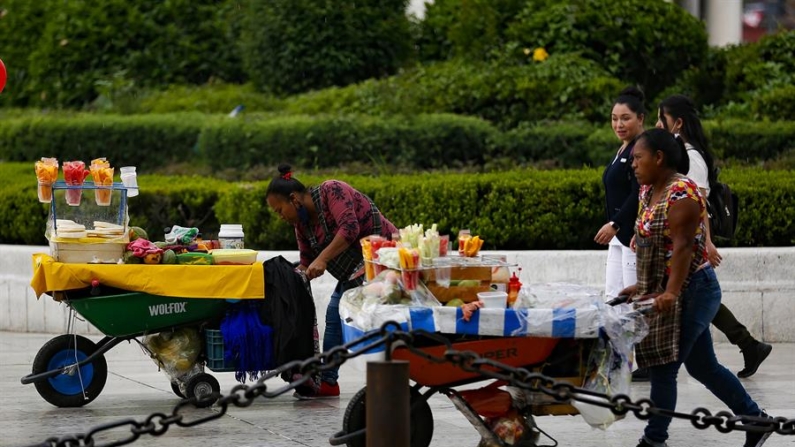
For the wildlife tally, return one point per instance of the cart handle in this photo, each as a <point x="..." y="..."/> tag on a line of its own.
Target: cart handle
<point x="621" y="299"/>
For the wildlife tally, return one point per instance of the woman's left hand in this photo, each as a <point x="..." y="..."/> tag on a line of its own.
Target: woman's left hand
<point x="316" y="268"/>
<point x="664" y="302"/>
<point x="713" y="256"/>
<point x="605" y="234"/>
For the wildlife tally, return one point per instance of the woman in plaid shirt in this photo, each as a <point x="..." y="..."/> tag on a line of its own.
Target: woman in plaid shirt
<point x="673" y="272"/>
<point x="329" y="221"/>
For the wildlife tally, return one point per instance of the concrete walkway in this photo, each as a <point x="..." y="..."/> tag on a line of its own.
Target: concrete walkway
<point x="135" y="389"/>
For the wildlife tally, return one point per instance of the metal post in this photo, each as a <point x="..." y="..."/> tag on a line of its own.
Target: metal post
<point x="387" y="404"/>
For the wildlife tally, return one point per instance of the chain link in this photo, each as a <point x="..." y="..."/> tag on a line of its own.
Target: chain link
<point x="390" y="334"/>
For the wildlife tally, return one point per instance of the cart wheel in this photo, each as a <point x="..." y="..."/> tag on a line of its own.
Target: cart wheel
<point x="202" y="385"/>
<point x="421" y="423"/>
<point x="176" y="390"/>
<point x="77" y="387"/>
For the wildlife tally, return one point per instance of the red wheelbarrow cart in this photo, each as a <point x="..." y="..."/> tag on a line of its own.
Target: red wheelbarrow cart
<point x="558" y="343"/>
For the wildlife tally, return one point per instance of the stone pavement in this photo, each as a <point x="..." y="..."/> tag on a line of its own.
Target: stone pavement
<point x="135" y="389"/>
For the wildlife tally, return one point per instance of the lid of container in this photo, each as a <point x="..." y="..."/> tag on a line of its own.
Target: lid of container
<point x="231" y="229"/>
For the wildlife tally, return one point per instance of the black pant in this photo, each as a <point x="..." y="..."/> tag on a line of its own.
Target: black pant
<point x="737" y="334"/>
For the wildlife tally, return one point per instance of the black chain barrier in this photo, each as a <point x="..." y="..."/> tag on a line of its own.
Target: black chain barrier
<point x="156" y="424"/>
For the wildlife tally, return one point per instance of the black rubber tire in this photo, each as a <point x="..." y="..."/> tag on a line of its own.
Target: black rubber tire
<point x="176" y="390"/>
<point x="421" y="419"/>
<point x="201" y="385"/>
<point x="64" y="390"/>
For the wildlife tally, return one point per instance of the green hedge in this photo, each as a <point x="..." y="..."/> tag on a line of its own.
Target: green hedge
<point x="215" y="142"/>
<point x="514" y="210"/>
<point x="750" y="141"/>
<point x="424" y="142"/>
<point x="146" y="141"/>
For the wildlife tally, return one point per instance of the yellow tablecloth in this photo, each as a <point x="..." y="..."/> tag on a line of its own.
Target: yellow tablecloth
<point x="184" y="281"/>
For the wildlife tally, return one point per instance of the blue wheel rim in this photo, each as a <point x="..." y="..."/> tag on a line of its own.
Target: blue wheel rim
<point x="64" y="383"/>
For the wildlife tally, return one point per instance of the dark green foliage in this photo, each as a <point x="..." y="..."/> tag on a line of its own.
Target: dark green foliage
<point x="292" y="46"/>
<point x="21" y="22"/>
<point x="777" y="104"/>
<point x="755" y="68"/>
<point x="472" y="29"/>
<point x="570" y="145"/>
<point x="750" y="141"/>
<point x="647" y="42"/>
<point x="423" y="142"/>
<point x="147" y="43"/>
<point x="144" y="141"/>
<point x="220" y="98"/>
<point x="563" y="86"/>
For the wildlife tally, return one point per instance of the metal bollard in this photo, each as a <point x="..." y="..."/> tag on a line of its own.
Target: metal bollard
<point x="387" y="404"/>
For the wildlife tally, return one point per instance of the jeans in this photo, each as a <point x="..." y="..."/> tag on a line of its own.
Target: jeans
<point x="332" y="335"/>
<point x="700" y="303"/>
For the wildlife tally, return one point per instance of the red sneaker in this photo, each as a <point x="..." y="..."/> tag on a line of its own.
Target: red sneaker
<point x="325" y="391"/>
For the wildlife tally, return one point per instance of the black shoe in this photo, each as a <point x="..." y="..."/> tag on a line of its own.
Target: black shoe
<point x="644" y="443"/>
<point x="754" y="355"/>
<point x="641" y="375"/>
<point x="754" y="439"/>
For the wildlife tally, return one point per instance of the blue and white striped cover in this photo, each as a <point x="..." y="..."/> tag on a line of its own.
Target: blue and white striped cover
<point x="559" y="323"/>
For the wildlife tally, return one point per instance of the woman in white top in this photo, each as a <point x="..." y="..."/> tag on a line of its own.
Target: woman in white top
<point x="677" y="114"/>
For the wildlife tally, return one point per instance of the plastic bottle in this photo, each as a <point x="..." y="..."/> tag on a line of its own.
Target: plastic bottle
<point x="514" y="285"/>
<point x="231" y="236"/>
<point x="130" y="180"/>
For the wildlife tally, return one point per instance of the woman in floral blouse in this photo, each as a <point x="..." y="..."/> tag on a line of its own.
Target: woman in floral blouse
<point x="673" y="273"/>
<point x="329" y="221"/>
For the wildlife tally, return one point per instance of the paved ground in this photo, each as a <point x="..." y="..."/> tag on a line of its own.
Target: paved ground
<point x="135" y="388"/>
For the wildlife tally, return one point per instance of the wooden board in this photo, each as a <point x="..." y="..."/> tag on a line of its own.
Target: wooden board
<point x="477" y="273"/>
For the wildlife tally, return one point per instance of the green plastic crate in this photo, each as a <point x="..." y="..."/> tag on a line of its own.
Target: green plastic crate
<point x="214" y="350"/>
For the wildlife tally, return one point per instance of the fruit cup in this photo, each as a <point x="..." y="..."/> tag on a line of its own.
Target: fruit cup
<point x="46" y="174"/>
<point x="444" y="243"/>
<point x="74" y="173"/>
<point x="103" y="180"/>
<point x="410" y="279"/>
<point x="102" y="174"/>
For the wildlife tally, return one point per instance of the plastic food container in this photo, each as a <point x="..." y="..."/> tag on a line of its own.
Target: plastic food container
<point x="493" y="300"/>
<point x="194" y="258"/>
<point x="224" y="256"/>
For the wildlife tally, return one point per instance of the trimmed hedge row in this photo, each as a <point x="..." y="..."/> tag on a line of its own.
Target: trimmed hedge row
<point x="419" y="142"/>
<point x="146" y="141"/>
<point x="429" y="141"/>
<point x="515" y="210"/>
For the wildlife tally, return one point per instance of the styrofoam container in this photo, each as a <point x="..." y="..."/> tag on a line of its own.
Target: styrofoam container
<point x="231" y="256"/>
<point x="493" y="300"/>
<point x="85" y="253"/>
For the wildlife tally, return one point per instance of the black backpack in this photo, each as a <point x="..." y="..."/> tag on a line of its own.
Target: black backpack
<point x="722" y="207"/>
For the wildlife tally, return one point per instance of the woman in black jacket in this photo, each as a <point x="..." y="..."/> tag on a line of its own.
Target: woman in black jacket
<point x="621" y="193"/>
